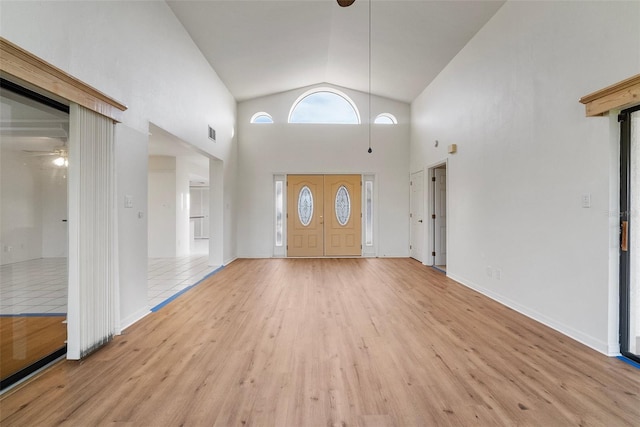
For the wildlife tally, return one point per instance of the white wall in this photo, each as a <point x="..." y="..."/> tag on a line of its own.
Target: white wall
<point x="34" y="203"/>
<point x="526" y="155"/>
<point x="162" y="207"/>
<point x="182" y="207"/>
<point x="55" y="231"/>
<point x="265" y="150"/>
<point x="20" y="208"/>
<point x="131" y="163"/>
<point x="138" y="53"/>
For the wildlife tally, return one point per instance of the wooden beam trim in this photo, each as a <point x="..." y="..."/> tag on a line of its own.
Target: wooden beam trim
<point x="618" y="96"/>
<point x="25" y="66"/>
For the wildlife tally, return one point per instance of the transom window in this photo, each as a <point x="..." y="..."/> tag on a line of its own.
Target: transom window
<point x="327" y="106"/>
<point x="261" y="117"/>
<point x="386" y="119"/>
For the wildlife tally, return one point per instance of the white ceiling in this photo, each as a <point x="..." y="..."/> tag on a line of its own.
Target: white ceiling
<point x="262" y="47"/>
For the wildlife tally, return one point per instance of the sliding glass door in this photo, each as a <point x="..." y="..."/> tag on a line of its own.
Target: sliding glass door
<point x="33" y="231"/>
<point x="630" y="233"/>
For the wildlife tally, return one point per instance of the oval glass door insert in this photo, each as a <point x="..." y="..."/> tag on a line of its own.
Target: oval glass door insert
<point x="343" y="205"/>
<point x="305" y="206"/>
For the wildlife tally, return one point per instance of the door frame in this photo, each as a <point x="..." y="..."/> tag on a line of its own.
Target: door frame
<point x="411" y="231"/>
<point x="625" y="256"/>
<point x="431" y="209"/>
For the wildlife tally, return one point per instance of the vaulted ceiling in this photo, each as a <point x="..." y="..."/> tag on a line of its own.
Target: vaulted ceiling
<point x="263" y="47"/>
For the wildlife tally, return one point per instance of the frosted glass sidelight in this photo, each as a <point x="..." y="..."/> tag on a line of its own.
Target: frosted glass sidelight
<point x="279" y="213"/>
<point x="368" y="220"/>
<point x="305" y="206"/>
<point x="343" y="205"/>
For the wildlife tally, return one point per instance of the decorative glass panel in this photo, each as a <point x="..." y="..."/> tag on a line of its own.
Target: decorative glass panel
<point x="368" y="220"/>
<point x="343" y="205"/>
<point x="279" y="213"/>
<point x="305" y="206"/>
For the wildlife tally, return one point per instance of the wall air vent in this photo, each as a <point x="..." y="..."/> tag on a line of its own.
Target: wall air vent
<point x="212" y="134"/>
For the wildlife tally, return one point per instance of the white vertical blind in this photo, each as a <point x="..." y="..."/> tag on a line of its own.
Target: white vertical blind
<point x="93" y="276"/>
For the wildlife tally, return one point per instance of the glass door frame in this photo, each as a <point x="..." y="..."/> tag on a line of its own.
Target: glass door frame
<point x="625" y="220"/>
<point x="6" y="383"/>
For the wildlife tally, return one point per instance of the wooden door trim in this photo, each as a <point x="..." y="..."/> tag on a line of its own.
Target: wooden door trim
<point x="621" y="95"/>
<point x="32" y="70"/>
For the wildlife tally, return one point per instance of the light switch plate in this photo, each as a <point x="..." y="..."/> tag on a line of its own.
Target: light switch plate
<point x="128" y="201"/>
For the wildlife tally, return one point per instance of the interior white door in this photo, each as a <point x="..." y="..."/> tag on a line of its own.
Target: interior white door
<point x="440" y="209"/>
<point x="417" y="215"/>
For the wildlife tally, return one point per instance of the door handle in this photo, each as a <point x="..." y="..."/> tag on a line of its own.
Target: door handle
<point x="624" y="231"/>
<point x="419" y="220"/>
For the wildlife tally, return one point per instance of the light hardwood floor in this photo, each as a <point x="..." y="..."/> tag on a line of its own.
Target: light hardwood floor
<point x="26" y="339"/>
<point x="346" y="342"/>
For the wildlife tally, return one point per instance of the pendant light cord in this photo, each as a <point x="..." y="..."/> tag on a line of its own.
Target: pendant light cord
<point x="370" y="150"/>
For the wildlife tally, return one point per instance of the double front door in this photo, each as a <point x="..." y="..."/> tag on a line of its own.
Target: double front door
<point x="324" y="215"/>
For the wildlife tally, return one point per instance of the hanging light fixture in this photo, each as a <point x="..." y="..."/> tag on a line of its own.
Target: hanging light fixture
<point x="347" y="3"/>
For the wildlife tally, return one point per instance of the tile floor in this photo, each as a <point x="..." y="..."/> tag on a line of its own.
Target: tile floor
<point x="168" y="276"/>
<point x="40" y="286"/>
<point x="34" y="287"/>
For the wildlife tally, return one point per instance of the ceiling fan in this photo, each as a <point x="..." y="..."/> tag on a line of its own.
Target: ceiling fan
<point x="61" y="155"/>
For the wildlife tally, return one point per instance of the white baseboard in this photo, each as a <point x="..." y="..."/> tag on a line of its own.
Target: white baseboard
<point x="130" y="320"/>
<point x="592" y="342"/>
<point x="229" y="261"/>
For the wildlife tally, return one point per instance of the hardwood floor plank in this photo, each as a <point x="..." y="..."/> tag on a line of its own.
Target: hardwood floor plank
<point x="345" y="342"/>
<point x="26" y="339"/>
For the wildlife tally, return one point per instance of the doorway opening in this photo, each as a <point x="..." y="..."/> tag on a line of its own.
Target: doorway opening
<point x="438" y="216"/>
<point x="179" y="221"/>
<point x="416" y="216"/>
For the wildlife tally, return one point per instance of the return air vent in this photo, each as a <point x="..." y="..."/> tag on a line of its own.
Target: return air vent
<point x="212" y="134"/>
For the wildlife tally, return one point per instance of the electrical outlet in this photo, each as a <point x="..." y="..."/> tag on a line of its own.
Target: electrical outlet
<point x="586" y="200"/>
<point x="498" y="273"/>
<point x="489" y="272"/>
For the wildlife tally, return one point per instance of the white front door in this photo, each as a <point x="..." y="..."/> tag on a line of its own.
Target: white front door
<point x="440" y="209"/>
<point x="417" y="215"/>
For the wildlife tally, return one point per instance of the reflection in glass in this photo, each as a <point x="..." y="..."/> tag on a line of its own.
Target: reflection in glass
<point x="634" y="237"/>
<point x="33" y="231"/>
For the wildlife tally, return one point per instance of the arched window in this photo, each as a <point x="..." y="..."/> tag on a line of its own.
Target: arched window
<point x="326" y="106"/>
<point x="261" y="117"/>
<point x="386" y="119"/>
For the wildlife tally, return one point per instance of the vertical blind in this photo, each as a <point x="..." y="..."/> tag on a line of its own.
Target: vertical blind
<point x="92" y="317"/>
